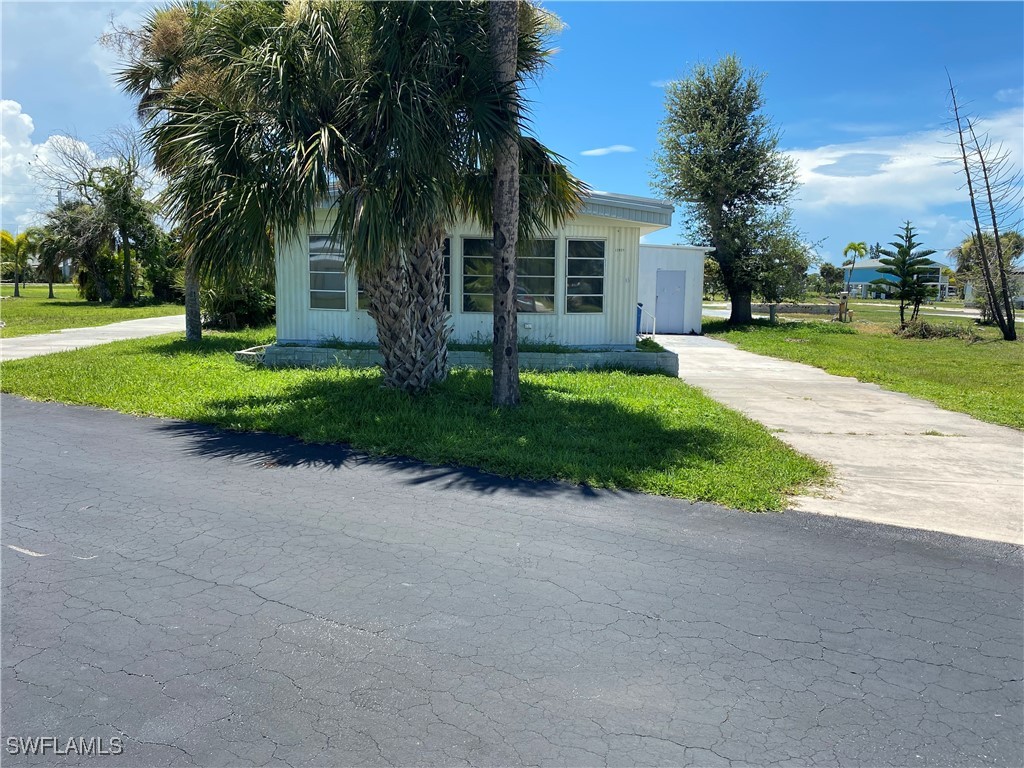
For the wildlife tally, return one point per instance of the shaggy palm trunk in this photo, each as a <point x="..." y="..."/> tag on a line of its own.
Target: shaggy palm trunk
<point x="504" y="37"/>
<point x="407" y="304"/>
<point x="128" y="297"/>
<point x="193" y="315"/>
<point x="17" y="294"/>
<point x="50" y="285"/>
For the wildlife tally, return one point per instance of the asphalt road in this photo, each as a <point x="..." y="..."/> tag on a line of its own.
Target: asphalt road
<point x="222" y="599"/>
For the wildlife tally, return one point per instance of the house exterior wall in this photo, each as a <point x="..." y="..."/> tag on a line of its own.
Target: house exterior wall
<point x="614" y="328"/>
<point x="684" y="258"/>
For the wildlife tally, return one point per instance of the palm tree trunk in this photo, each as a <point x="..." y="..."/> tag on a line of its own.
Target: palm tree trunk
<point x="504" y="37"/>
<point x="17" y="294"/>
<point x="193" y="315"/>
<point x="128" y="296"/>
<point x="407" y="304"/>
<point x="50" y="284"/>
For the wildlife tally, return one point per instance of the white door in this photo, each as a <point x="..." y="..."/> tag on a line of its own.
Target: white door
<point x="669" y="304"/>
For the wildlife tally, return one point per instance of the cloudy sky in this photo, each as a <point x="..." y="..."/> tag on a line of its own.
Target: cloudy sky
<point x="858" y="91"/>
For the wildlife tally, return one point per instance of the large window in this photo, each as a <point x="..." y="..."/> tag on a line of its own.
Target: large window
<point x="584" y="276"/>
<point x="535" y="276"/>
<point x="363" y="301"/>
<point x="327" y="273"/>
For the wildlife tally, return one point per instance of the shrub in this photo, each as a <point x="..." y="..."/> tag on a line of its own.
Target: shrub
<point x="246" y="305"/>
<point x="922" y="329"/>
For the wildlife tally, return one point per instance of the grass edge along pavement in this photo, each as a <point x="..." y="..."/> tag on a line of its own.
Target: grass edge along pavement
<point x="645" y="432"/>
<point x="979" y="378"/>
<point x="33" y="313"/>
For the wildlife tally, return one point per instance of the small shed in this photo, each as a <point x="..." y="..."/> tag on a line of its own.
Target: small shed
<point x="671" y="287"/>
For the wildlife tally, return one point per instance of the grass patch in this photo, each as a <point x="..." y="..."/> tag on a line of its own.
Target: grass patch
<point x="34" y="313"/>
<point x="981" y="378"/>
<point x="650" y="433"/>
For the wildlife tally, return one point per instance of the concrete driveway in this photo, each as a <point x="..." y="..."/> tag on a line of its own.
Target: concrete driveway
<point x="227" y="599"/>
<point x="20" y="347"/>
<point x="898" y="460"/>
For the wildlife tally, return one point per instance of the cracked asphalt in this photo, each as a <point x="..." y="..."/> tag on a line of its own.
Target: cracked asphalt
<point x="224" y="599"/>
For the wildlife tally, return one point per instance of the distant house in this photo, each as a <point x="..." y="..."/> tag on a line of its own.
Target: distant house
<point x="577" y="286"/>
<point x="859" y="282"/>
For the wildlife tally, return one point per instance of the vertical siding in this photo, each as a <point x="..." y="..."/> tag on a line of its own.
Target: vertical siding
<point x="683" y="258"/>
<point x="615" y="327"/>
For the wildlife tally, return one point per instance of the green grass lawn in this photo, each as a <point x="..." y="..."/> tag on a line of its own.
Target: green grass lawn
<point x="34" y="313"/>
<point x="983" y="378"/>
<point x="649" y="433"/>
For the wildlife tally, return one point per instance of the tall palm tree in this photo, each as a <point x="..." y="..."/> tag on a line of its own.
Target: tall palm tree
<point x="389" y="111"/>
<point x="53" y="251"/>
<point x="857" y="249"/>
<point x="504" y="34"/>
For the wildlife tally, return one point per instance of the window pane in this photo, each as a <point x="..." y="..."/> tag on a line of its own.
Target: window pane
<point x="538" y="285"/>
<point x="535" y="267"/>
<point x="585" y="267"/>
<point x="324" y="263"/>
<point x="585" y="303"/>
<point x="586" y="249"/>
<point x="477" y="246"/>
<point x="477" y="302"/>
<point x="362" y="301"/>
<point x="326" y="300"/>
<point x="324" y="244"/>
<point x="327" y="281"/>
<point x="537" y="249"/>
<point x="586" y="286"/>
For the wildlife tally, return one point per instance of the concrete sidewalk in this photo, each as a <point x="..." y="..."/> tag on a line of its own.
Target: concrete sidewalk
<point x="74" y="338"/>
<point x="897" y="460"/>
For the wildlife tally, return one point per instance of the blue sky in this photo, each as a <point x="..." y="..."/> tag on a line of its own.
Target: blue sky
<point x="858" y="91"/>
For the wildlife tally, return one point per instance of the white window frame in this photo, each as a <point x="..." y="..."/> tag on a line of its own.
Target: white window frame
<point x="310" y="272"/>
<point x="604" y="274"/>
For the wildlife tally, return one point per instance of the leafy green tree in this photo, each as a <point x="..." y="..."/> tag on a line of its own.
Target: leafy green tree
<point x="850" y="254"/>
<point x="713" y="283"/>
<point x="908" y="266"/>
<point x="720" y="157"/>
<point x="17" y="250"/>
<point x="831" y="278"/>
<point x="783" y="260"/>
<point x="86" y="235"/>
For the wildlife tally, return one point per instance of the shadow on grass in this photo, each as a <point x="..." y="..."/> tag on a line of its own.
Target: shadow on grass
<point x="211" y="344"/>
<point x="592" y="439"/>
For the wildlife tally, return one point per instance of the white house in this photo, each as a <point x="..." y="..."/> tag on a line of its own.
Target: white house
<point x="671" y="287"/>
<point x="577" y="287"/>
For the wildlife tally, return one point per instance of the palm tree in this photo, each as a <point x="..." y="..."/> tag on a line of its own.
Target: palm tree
<point x="857" y="249"/>
<point x="504" y="33"/>
<point x="53" y="251"/>
<point x="17" y="250"/>
<point x="908" y="266"/>
<point x="388" y="110"/>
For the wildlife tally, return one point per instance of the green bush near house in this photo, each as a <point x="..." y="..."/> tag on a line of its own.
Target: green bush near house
<point x="610" y="429"/>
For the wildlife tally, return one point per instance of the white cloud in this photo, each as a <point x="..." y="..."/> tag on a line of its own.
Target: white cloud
<point x="910" y="173"/>
<point x="659" y="83"/>
<point x="1010" y="95"/>
<point x="614" y="148"/>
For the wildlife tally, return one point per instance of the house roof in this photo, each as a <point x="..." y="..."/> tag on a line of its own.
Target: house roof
<point x="876" y="263"/>
<point x="652" y="214"/>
